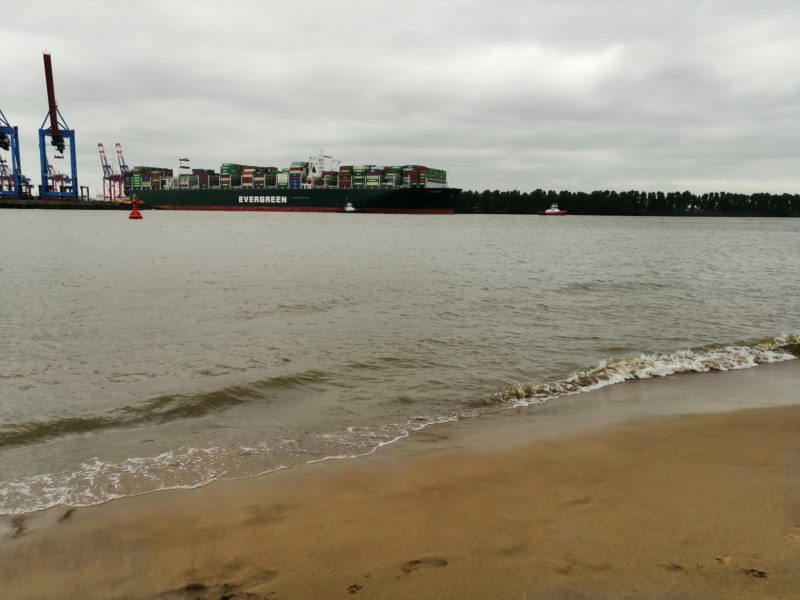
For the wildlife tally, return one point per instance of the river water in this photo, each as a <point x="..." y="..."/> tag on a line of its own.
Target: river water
<point x="192" y="346"/>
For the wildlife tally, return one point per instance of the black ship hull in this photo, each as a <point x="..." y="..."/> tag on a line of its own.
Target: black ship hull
<point x="367" y="200"/>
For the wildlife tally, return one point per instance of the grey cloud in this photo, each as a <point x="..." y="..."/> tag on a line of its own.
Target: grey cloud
<point x="611" y="94"/>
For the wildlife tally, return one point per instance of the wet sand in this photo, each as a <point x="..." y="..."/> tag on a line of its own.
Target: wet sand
<point x="541" y="503"/>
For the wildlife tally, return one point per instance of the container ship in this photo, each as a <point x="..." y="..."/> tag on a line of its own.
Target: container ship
<point x="316" y="185"/>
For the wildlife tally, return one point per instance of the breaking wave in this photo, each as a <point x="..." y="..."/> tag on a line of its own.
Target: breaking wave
<point x="699" y="360"/>
<point x="97" y="481"/>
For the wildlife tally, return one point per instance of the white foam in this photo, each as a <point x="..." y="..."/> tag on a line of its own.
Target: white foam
<point x="97" y="481"/>
<point x="724" y="358"/>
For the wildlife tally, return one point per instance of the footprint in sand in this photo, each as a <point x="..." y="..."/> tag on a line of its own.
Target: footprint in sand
<point x="268" y="575"/>
<point x="69" y="512"/>
<point x="19" y="527"/>
<point x="424" y="562"/>
<point x="726" y="560"/>
<point x="755" y="573"/>
<point x="795" y="536"/>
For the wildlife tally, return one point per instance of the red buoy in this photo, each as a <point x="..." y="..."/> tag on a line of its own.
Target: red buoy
<point x="135" y="214"/>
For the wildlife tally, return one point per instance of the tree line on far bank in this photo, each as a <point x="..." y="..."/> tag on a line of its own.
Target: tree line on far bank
<point x="630" y="203"/>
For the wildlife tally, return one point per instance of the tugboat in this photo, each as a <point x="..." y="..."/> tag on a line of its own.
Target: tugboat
<point x="554" y="210"/>
<point x="349" y="208"/>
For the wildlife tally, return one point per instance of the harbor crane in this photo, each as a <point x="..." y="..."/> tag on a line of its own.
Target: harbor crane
<point x="59" y="182"/>
<point x="12" y="183"/>
<point x="7" y="180"/>
<point x="59" y="185"/>
<point x="112" y="181"/>
<point x="123" y="166"/>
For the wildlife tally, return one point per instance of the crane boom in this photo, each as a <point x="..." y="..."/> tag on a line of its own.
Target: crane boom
<point x="123" y="166"/>
<point x="63" y="186"/>
<point x="57" y="139"/>
<point x="108" y="170"/>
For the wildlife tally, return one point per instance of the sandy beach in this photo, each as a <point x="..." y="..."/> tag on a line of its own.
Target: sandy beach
<point x="669" y="506"/>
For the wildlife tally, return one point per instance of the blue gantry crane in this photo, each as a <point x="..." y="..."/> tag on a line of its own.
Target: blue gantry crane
<point x="13" y="184"/>
<point x="55" y="184"/>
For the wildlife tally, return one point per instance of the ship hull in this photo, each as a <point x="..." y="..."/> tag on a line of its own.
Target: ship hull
<point x="398" y="200"/>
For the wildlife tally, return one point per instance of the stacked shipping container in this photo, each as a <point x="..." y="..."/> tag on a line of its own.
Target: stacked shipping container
<point x="346" y="176"/>
<point x="233" y="175"/>
<point x="149" y="178"/>
<point x="298" y="171"/>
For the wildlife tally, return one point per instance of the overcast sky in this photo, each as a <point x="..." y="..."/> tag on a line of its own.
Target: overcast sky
<point x="699" y="95"/>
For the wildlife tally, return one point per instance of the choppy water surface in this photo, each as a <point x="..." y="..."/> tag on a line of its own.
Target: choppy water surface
<point x="188" y="347"/>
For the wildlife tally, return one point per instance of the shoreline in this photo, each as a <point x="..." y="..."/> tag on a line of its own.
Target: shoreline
<point x="587" y="499"/>
<point x="563" y="401"/>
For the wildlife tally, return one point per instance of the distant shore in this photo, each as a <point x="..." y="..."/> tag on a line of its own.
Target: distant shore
<point x="519" y="506"/>
<point x="631" y="203"/>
